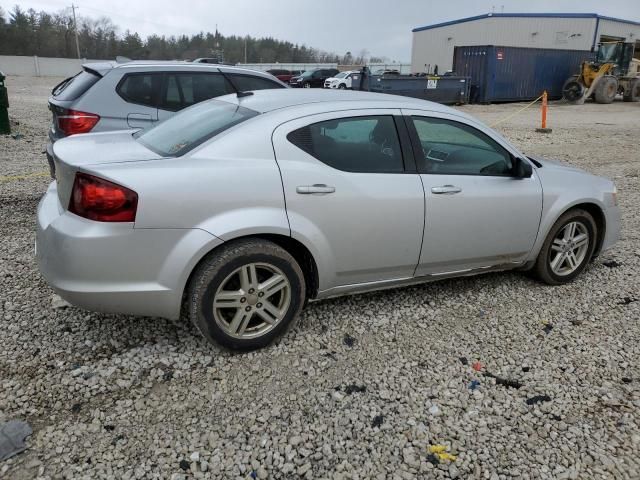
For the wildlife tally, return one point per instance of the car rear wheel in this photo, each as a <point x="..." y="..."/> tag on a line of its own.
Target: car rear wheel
<point x="246" y="294"/>
<point x="568" y="248"/>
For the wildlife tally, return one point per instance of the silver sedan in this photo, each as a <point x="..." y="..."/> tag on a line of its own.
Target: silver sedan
<point x="238" y="210"/>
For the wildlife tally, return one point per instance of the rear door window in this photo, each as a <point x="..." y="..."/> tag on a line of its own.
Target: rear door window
<point x="186" y="89"/>
<point x="73" y="87"/>
<point x="357" y="144"/>
<point x="246" y="83"/>
<point x="140" y="88"/>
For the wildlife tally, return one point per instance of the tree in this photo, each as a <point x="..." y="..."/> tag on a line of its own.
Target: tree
<point x="52" y="35"/>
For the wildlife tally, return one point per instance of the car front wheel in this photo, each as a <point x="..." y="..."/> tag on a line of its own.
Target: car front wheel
<point x="246" y="294"/>
<point x="568" y="248"/>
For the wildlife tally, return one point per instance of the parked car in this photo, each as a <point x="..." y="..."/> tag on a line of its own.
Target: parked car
<point x="281" y="74"/>
<point x="341" y="81"/>
<point x="313" y="78"/>
<point x="246" y="206"/>
<point x="115" y="96"/>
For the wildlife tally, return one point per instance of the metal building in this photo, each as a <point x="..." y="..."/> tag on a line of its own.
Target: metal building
<point x="434" y="44"/>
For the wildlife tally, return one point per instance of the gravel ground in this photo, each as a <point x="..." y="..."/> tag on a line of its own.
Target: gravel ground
<point x="362" y="386"/>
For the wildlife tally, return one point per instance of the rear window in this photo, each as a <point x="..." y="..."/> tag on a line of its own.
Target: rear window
<point x="73" y="87"/>
<point x="192" y="127"/>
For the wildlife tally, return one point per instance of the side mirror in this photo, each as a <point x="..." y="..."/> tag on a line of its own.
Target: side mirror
<point x="522" y="168"/>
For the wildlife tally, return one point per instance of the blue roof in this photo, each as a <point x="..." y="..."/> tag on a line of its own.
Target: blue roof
<point x="525" y="15"/>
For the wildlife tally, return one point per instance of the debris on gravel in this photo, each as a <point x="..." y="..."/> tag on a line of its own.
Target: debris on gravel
<point x="538" y="399"/>
<point x="12" y="438"/>
<point x="113" y="396"/>
<point x="505" y="382"/>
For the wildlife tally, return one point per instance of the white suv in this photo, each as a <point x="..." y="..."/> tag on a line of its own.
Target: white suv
<point x="341" y="81"/>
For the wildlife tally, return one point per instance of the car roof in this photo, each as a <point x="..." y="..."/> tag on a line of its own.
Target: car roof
<point x="265" y="101"/>
<point x="103" y="67"/>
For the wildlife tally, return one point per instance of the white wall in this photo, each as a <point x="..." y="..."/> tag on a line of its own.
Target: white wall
<point x="41" y="66"/>
<point x="285" y="66"/>
<point x="628" y="31"/>
<point x="401" y="67"/>
<point x="435" y="46"/>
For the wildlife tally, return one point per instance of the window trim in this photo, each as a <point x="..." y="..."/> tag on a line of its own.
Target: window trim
<point x="401" y="132"/>
<point x="132" y="74"/>
<point x="232" y="77"/>
<point x="419" y="154"/>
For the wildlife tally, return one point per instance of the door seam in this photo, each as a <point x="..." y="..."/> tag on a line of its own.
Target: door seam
<point x="424" y="224"/>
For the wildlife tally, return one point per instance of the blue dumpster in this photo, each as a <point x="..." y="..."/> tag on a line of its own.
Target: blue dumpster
<point x="514" y="74"/>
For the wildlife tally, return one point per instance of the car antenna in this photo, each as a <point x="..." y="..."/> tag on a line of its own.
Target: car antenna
<point x="239" y="93"/>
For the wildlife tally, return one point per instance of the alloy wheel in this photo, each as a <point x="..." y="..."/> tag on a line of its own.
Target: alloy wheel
<point x="569" y="248"/>
<point x="252" y="300"/>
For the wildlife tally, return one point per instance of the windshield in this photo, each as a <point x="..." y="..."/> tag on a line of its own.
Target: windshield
<point x="308" y="73"/>
<point x="342" y="75"/>
<point x="192" y="127"/>
<point x="609" y="52"/>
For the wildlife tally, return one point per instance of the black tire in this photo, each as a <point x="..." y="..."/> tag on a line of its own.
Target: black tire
<point x="542" y="268"/>
<point x="342" y="86"/>
<point x="306" y="85"/>
<point x="632" y="92"/>
<point x="216" y="268"/>
<point x="573" y="90"/>
<point x="606" y="90"/>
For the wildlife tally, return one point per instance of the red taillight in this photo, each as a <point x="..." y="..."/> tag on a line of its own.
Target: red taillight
<point x="101" y="200"/>
<point x="73" y="121"/>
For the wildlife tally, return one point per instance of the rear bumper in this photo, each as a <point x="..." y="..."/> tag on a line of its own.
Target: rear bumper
<point x="613" y="226"/>
<point x="116" y="268"/>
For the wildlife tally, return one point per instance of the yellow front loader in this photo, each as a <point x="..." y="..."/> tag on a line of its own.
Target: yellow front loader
<point x="614" y="71"/>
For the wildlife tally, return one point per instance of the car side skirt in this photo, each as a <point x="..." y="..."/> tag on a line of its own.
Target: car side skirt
<point x="408" y="281"/>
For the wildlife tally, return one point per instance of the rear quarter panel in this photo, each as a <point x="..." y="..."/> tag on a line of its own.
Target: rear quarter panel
<point x="229" y="187"/>
<point x="103" y="100"/>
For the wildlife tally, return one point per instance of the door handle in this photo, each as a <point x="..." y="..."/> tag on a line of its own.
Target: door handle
<point x="446" y="190"/>
<point x="318" y="188"/>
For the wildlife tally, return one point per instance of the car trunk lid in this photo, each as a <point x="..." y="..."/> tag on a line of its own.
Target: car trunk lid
<point x="80" y="152"/>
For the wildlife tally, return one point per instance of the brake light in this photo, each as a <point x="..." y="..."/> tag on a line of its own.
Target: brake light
<point x="101" y="200"/>
<point x="73" y="121"/>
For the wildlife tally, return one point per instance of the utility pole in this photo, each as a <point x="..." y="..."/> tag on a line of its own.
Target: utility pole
<point x="75" y="27"/>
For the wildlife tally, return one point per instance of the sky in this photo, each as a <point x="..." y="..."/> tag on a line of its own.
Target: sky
<point x="381" y="27"/>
